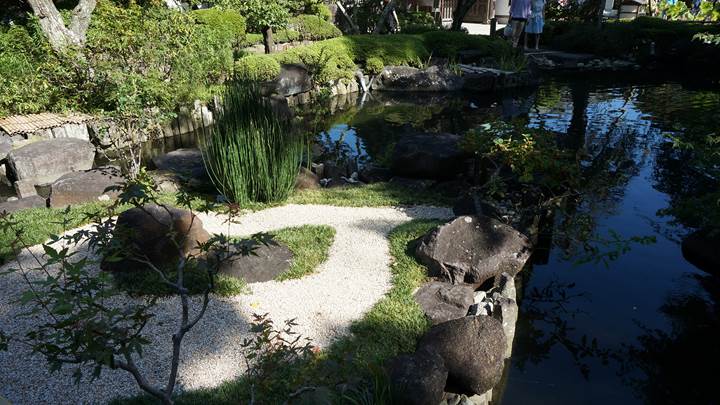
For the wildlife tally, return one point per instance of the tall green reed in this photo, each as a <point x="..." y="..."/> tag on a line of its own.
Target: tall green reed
<point x="251" y="153"/>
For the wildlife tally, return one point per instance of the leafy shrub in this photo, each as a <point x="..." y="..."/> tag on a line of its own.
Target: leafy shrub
<point x="251" y="153"/>
<point x="26" y="64"/>
<point x="417" y="22"/>
<point x="374" y="65"/>
<point x="319" y="9"/>
<point x="257" y="68"/>
<point x="141" y="59"/>
<point x="228" y="23"/>
<point x="327" y="60"/>
<point x="311" y="27"/>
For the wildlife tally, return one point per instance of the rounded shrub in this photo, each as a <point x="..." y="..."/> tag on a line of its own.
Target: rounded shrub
<point x="374" y="65"/>
<point x="257" y="68"/>
<point x="228" y="23"/>
<point x="313" y="28"/>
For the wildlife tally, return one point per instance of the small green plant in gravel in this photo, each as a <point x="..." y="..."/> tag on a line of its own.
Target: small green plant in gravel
<point x="251" y="153"/>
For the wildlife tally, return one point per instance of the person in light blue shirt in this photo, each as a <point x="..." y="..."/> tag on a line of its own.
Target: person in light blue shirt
<point x="535" y="22"/>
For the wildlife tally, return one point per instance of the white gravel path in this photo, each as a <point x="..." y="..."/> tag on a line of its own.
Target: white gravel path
<point x="355" y="276"/>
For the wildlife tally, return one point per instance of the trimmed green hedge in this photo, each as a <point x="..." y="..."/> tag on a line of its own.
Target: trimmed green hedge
<point x="257" y="68"/>
<point x="228" y="23"/>
<point x="313" y="28"/>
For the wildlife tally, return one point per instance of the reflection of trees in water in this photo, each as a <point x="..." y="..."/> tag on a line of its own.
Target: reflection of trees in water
<point x="687" y="168"/>
<point x="545" y="321"/>
<point x="680" y="366"/>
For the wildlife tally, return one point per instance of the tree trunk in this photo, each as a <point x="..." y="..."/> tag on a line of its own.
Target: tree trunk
<point x="461" y="9"/>
<point x="268" y="39"/>
<point x="381" y="21"/>
<point x="60" y="36"/>
<point x="576" y="133"/>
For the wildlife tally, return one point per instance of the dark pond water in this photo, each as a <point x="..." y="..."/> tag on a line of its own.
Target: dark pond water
<point x="642" y="328"/>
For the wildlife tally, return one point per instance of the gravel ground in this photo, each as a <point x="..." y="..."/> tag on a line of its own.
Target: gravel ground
<point x="324" y="304"/>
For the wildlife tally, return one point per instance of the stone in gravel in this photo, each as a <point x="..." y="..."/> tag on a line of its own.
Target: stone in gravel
<point x="428" y="156"/>
<point x="418" y="378"/>
<point x="264" y="264"/>
<point x="473" y="249"/>
<point x="156" y="231"/>
<point x="505" y="310"/>
<point x="46" y="161"/>
<point x="101" y="184"/>
<point x="23" y="203"/>
<point x="473" y="349"/>
<point x="307" y="180"/>
<point x="442" y="301"/>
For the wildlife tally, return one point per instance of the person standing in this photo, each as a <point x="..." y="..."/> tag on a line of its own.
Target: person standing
<point x="519" y="13"/>
<point x="535" y="22"/>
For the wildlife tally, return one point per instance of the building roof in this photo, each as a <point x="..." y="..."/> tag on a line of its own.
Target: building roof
<point x="26" y="124"/>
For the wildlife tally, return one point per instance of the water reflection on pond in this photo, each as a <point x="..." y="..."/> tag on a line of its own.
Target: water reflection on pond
<point x="642" y="328"/>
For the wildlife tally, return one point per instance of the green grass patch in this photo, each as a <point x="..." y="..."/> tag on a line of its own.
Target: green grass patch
<point x="371" y="195"/>
<point x="38" y="224"/>
<point x="391" y="327"/>
<point x="310" y="245"/>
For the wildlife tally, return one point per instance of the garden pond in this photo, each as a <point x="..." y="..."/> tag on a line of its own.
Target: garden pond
<point x="598" y="323"/>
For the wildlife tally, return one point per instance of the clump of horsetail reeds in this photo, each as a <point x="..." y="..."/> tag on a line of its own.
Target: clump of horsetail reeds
<point x="251" y="153"/>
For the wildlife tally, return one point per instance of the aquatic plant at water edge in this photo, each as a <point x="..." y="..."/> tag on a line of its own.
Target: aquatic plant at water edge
<point x="251" y="153"/>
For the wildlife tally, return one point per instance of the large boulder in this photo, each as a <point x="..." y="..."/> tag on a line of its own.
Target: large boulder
<point x="418" y="378"/>
<point x="266" y="262"/>
<point x="701" y="248"/>
<point x="293" y="79"/>
<point x="307" y="180"/>
<point x="428" y="156"/>
<point x="472" y="348"/>
<point x="46" y="161"/>
<point x="473" y="249"/>
<point x="442" y="302"/>
<point x="186" y="163"/>
<point x="161" y="233"/>
<point x="405" y="78"/>
<point x="5" y="147"/>
<point x="98" y="184"/>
